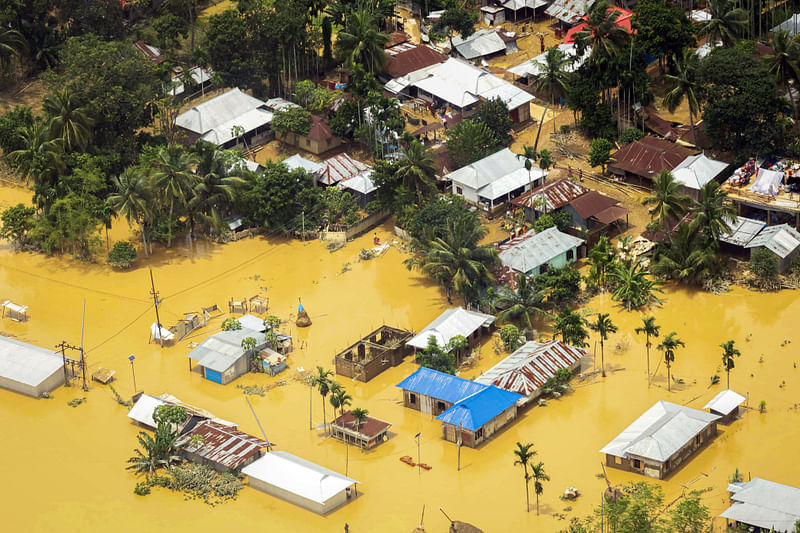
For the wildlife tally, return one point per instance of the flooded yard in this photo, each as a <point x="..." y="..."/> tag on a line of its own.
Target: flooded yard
<point x="64" y="467"/>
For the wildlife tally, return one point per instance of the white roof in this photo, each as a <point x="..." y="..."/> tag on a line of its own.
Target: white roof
<point x="704" y="50"/>
<point x="697" y="170"/>
<point x="742" y="231"/>
<point x="725" y="402"/>
<point x="249" y="121"/>
<point x="26" y="363"/>
<point x="765" y="504"/>
<point x="142" y="411"/>
<point x="199" y="76"/>
<point x="479" y="44"/>
<point x="298" y="476"/>
<point x="456" y="321"/>
<point x="536" y="249"/>
<point x="515" y="5"/>
<point x="491" y="168"/>
<point x="252" y="322"/>
<point x="298" y="161"/>
<point x="279" y="103"/>
<point x="792" y="24"/>
<point x="221" y="350"/>
<point x="165" y="334"/>
<point x="661" y="431"/>
<point x="221" y="111"/>
<point x="501" y="187"/>
<point x="535" y="66"/>
<point x="362" y="183"/>
<point x="700" y="15"/>
<point x="782" y="240"/>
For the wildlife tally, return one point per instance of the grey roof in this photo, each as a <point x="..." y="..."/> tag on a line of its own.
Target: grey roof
<point x="569" y="11"/>
<point x="496" y="175"/>
<point x="792" y="24"/>
<point x="725" y="402"/>
<point x="456" y="321"/>
<point x="221" y="350"/>
<point x="742" y="231"/>
<point x="298" y="161"/>
<point x="661" y="431"/>
<point x="782" y="240"/>
<point x="765" y="504"/>
<point x="26" y="363"/>
<point x="535" y="66"/>
<point x="479" y="44"/>
<point x="361" y="183"/>
<point x="697" y="170"/>
<point x="532" y="249"/>
<point x="214" y="119"/>
<point x="249" y="321"/>
<point x="515" y="5"/>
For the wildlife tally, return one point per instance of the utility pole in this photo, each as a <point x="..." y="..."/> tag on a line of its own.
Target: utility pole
<point x="83" y="360"/>
<point x="419" y="468"/>
<point x="64" y="346"/>
<point x="131" y="358"/>
<point x="154" y="293"/>
<point x="64" y="362"/>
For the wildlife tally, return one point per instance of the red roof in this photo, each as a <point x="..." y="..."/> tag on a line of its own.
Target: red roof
<point x="623" y="21"/>
<point x="406" y="61"/>
<point x="320" y="131"/>
<point x="592" y="203"/>
<point x="223" y="445"/>
<point x="371" y="428"/>
<point x="557" y="194"/>
<point x="444" y="163"/>
<point x="150" y="52"/>
<point x="648" y="156"/>
<point x="396" y="38"/>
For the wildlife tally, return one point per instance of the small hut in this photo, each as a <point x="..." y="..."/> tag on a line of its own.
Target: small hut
<point x="303" y="320"/>
<point x="725" y="404"/>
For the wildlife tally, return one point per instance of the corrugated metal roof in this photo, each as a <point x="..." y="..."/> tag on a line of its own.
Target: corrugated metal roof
<point x="221" y="109"/>
<point x="661" y="431"/>
<point x="248" y="121"/>
<point x="782" y="240"/>
<point x="474" y="411"/>
<point x="221" y="350"/>
<point x="532" y="249"/>
<point x="555" y="195"/>
<point x="340" y="167"/>
<point x="407" y="58"/>
<point x="765" y="504"/>
<point x="371" y="427"/>
<point x="531" y="365"/>
<point x="298" y="161"/>
<point x="480" y="43"/>
<point x="452" y="322"/>
<point x="223" y="445"/>
<point x="592" y="203"/>
<point x="697" y="170"/>
<point x="792" y="25"/>
<point x="496" y="175"/>
<point x="451" y="389"/>
<point x="361" y="183"/>
<point x="569" y="11"/>
<point x="279" y="103"/>
<point x="725" y="402"/>
<point x="150" y="52"/>
<point x="648" y="156"/>
<point x="298" y="476"/>
<point x="516" y="5"/>
<point x="26" y="363"/>
<point x="142" y="410"/>
<point x="742" y="231"/>
<point x="535" y="66"/>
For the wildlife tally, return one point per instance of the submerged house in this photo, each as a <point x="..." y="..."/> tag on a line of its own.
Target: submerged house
<point x="782" y="240"/>
<point x="527" y="369"/>
<point x="434" y="392"/>
<point x="533" y="253"/>
<point x="471" y="325"/>
<point x="28" y="369"/>
<point x="222" y="358"/>
<point x="368" y="434"/>
<point x="216" y="120"/>
<point x="221" y="447"/>
<point x="596" y="212"/>
<point x="300" y="482"/>
<point x="761" y="505"/>
<point x="726" y="405"/>
<point x="372" y="354"/>
<point x="660" y="440"/>
<point x="145" y="406"/>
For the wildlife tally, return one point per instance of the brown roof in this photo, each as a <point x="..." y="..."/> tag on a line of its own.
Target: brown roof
<point x="149" y="52"/>
<point x="320" y="131"/>
<point x="444" y="163"/>
<point x="661" y="126"/>
<point x="611" y="214"/>
<point x="372" y="427"/>
<point x="557" y="194"/>
<point x="223" y="444"/>
<point x="413" y="59"/>
<point x="396" y="38"/>
<point x="648" y="156"/>
<point x="425" y="129"/>
<point x="592" y="203"/>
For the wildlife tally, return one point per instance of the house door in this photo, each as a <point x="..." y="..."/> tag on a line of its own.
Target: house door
<point x="515" y="115"/>
<point x="214" y="376"/>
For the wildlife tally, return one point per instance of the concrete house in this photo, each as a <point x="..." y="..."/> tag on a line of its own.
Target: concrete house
<point x="782" y="240"/>
<point x="318" y="140"/>
<point x="217" y="119"/>
<point x="28" y="369"/>
<point x="367" y="435"/>
<point x="222" y="358"/>
<point x="533" y="253"/>
<point x="299" y="482"/>
<point x="660" y="440"/>
<point x="372" y="354"/>
<point x="223" y="447"/>
<point x="762" y="506"/>
<point x="726" y="405"/>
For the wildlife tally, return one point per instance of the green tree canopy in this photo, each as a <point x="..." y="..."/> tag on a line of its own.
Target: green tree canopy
<point x="469" y="141"/>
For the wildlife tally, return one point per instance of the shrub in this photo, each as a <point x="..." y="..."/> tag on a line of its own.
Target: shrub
<point x="565" y="129"/>
<point x="231" y="324"/>
<point x="511" y="337"/>
<point x="561" y="285"/>
<point x="142" y="488"/>
<point x="16" y="222"/>
<point x="372" y="207"/>
<point x="560" y="219"/>
<point x="764" y="266"/>
<point x="122" y="255"/>
<point x="600" y="153"/>
<point x="630" y="135"/>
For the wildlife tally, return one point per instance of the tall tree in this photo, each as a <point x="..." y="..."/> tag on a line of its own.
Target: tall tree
<point x="68" y="120"/>
<point x="602" y="34"/>
<point x="783" y="62"/>
<point x="682" y="83"/>
<point x="322" y="382"/>
<point x="12" y="44"/>
<point x="456" y="19"/>
<point x="666" y="201"/>
<point x="361" y="41"/>
<point x="529" y="155"/>
<point x="173" y="178"/>
<point x="670" y="343"/>
<point x="220" y="178"/>
<point x="494" y="113"/>
<point x="553" y="78"/>
<point x="132" y="199"/>
<point x="712" y="214"/>
<point x="417" y="170"/>
<point x="524" y="453"/>
<point x="519" y="305"/>
<point x="662" y="29"/>
<point x="601" y="258"/>
<point x="360" y="416"/>
<point x="572" y="328"/>
<point x="727" y="23"/>
<point x="539" y="476"/>
<point x="686" y="258"/>
<point x="632" y="287"/>
<point x="650" y="329"/>
<point x="41" y="158"/>
<point x="603" y="325"/>
<point x="729" y="352"/>
<point x="469" y="141"/>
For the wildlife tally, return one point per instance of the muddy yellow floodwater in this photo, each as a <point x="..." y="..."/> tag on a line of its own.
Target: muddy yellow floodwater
<point x="63" y="467"/>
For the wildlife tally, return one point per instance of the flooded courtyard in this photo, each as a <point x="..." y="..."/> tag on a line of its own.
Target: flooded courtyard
<point x="64" y="467"/>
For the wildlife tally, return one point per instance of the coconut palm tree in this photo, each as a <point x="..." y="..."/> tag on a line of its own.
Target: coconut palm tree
<point x="67" y="119"/>
<point x="602" y="34"/>
<point x="360" y="416"/>
<point x="729" y="351"/>
<point x="339" y="399"/>
<point x="361" y="42"/>
<point x="539" y="476"/>
<point x="523" y="455"/>
<point x="601" y="257"/>
<point x="668" y="346"/>
<point x="603" y="326"/>
<point x="322" y="382"/>
<point x="632" y="287"/>
<point x="519" y="305"/>
<point x="41" y="158"/>
<point x="530" y="156"/>
<point x="666" y="200"/>
<point x="553" y="78"/>
<point x="173" y="177"/>
<point x="132" y="198"/>
<point x="727" y="23"/>
<point x="417" y="170"/>
<point x="214" y="193"/>
<point x="12" y="43"/>
<point x="783" y="62"/>
<point x="687" y="257"/>
<point x="712" y="214"/>
<point x="650" y="329"/>
<point x="682" y="83"/>
<point x="571" y="326"/>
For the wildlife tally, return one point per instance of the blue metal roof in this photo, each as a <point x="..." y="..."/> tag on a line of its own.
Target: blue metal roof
<point x="429" y="382"/>
<point x="474" y="411"/>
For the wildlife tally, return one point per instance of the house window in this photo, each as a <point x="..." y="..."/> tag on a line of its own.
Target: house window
<point x="697" y="440"/>
<point x="618" y="460"/>
<point x="412" y="398"/>
<point x="459" y="190"/>
<point x="570" y="255"/>
<point x="637" y="463"/>
<point x="440" y="406"/>
<point x="479" y="434"/>
<point x="543" y="269"/>
<point x="308" y="142"/>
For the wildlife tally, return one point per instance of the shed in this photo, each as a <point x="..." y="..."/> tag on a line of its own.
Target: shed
<point x="318" y="140"/>
<point x="493" y="15"/>
<point x="595" y="211"/>
<point x="697" y="170"/>
<point x="145" y="405"/>
<point x="791" y="25"/>
<point x="361" y="187"/>
<point x="782" y="240"/>
<point x="272" y="361"/>
<point x="660" y="440"/>
<point x="533" y="253"/>
<point x="434" y="392"/>
<point x="743" y="230"/>
<point x="222" y="447"/>
<point x="455" y="321"/>
<point x="535" y="67"/>
<point x="485" y="44"/>
<point x="647" y="157"/>
<point x="216" y="120"/>
<point x="569" y="12"/>
<point x="28" y="369"/>
<point x="300" y="482"/>
<point x="550" y="196"/>
<point x="523" y="8"/>
<point x="221" y="356"/>
<point x="369" y="434"/>
<point x="298" y="161"/>
<point x="725" y="404"/>
<point x="763" y="506"/>
<point x="339" y="167"/>
<point x="150" y="52"/>
<point x="477" y="417"/>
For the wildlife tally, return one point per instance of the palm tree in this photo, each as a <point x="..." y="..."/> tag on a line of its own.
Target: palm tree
<point x="601" y="257"/>
<point x="173" y="178"/>
<point x="686" y="258"/>
<point x="682" y="83"/>
<point x="361" y="42"/>
<point x="603" y="326"/>
<point x="12" y="43"/>
<point x="668" y="346"/>
<point x="360" y="416"/>
<point x="650" y="329"/>
<point x="519" y="305"/>
<point x="322" y="382"/>
<point x="602" y="34"/>
<point x="455" y="260"/>
<point x="553" y="77"/>
<point x="67" y="119"/>
<point x="523" y="455"/>
<point x="631" y="285"/>
<point x="539" y="476"/>
<point x="418" y="170"/>
<point x="105" y="213"/>
<point x="339" y="399"/>
<point x="41" y="157"/>
<point x="219" y="179"/>
<point x="712" y="214"/>
<point x="783" y="62"/>
<point x="571" y="326"/>
<point x="729" y="351"/>
<point x="666" y="201"/>
<point x="530" y="156"/>
<point x="726" y="24"/>
<point x="132" y="199"/>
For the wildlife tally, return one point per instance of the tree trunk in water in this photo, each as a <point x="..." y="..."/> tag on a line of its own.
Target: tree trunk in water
<point x="669" y="380"/>
<point x="324" y="418"/>
<point x="729" y="378"/>
<point x="108" y="249"/>
<point x="144" y="239"/>
<point x="527" y="494"/>
<point x="171" y="222"/>
<point x="648" y="361"/>
<point x="691" y="123"/>
<point x="602" y="358"/>
<point x="537" y="504"/>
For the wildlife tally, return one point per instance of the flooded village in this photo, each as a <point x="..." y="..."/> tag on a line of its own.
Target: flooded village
<point x="455" y="298"/>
